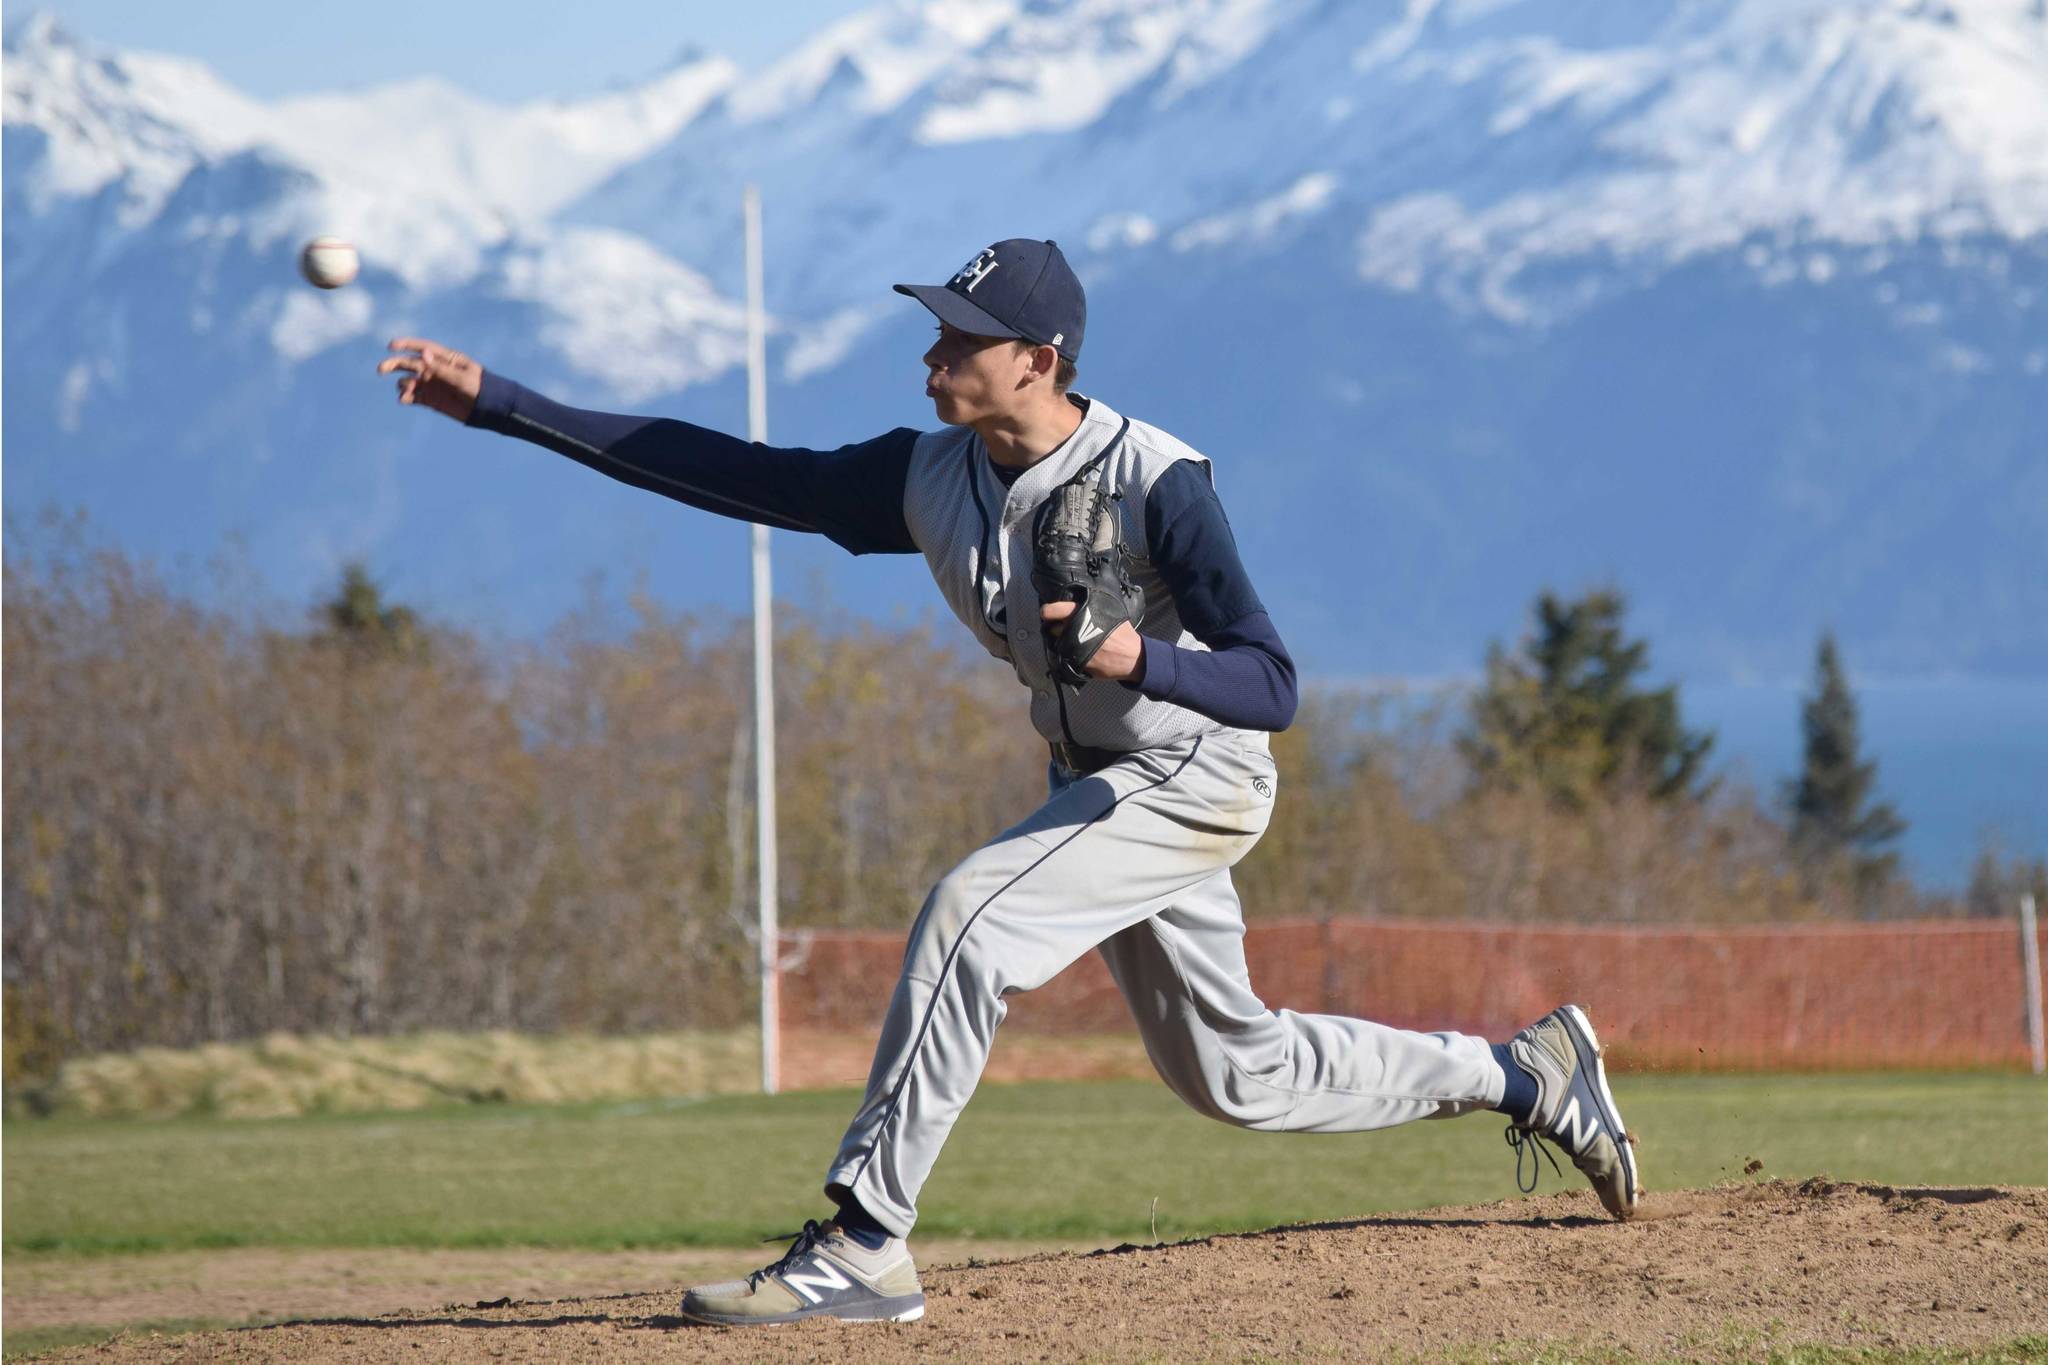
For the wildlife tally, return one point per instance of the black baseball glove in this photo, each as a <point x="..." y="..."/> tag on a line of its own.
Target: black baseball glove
<point x="1078" y="556"/>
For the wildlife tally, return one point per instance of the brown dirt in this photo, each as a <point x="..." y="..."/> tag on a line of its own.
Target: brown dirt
<point x="1729" y="1271"/>
<point x="270" y="1285"/>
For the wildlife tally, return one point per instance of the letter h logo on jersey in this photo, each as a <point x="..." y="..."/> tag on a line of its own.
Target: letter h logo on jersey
<point x="975" y="271"/>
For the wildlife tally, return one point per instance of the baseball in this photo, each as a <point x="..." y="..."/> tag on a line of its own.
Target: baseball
<point x="329" y="262"/>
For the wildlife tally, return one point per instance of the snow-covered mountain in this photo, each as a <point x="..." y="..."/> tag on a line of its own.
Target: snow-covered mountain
<point x="1736" y="303"/>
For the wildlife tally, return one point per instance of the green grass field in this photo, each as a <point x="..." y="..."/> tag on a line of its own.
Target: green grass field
<point x="1070" y="1161"/>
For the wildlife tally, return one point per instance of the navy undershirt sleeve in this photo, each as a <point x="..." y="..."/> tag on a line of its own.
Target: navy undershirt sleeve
<point x="1246" y="677"/>
<point x="852" y="495"/>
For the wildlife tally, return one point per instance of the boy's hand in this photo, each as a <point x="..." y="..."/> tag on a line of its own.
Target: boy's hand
<point x="435" y="377"/>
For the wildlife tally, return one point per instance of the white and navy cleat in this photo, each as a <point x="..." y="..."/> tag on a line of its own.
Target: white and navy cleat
<point x="824" y="1274"/>
<point x="1574" y="1109"/>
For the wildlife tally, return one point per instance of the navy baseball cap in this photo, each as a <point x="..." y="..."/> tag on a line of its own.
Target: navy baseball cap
<point x="1017" y="288"/>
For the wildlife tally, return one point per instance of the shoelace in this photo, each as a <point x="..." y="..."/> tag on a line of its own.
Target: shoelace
<point x="813" y="1230"/>
<point x="1528" y="1146"/>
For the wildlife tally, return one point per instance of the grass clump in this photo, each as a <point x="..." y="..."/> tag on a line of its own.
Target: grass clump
<point x="287" y="1076"/>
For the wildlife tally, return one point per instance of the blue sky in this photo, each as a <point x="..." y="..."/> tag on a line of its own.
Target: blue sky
<point x="505" y="49"/>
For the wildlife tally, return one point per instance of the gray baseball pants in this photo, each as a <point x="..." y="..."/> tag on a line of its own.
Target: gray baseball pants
<point x="1134" y="861"/>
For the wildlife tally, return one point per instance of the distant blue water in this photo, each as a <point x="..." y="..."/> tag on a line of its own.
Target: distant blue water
<point x="1964" y="760"/>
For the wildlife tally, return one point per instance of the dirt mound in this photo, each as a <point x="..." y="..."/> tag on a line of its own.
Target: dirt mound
<point x="1732" y="1270"/>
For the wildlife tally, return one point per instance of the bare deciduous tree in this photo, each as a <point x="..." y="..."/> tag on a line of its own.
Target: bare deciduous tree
<point x="370" y="823"/>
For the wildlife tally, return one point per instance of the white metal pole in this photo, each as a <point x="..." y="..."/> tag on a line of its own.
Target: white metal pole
<point x="764" y="666"/>
<point x="2030" y="959"/>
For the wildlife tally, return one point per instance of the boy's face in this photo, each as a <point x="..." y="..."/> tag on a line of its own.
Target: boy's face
<point x="974" y="377"/>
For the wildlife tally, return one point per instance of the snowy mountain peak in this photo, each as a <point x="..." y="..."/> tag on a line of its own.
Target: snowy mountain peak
<point x="116" y="157"/>
<point x="99" y="116"/>
<point x="1796" y="251"/>
<point x="40" y="28"/>
<point x="1059" y="66"/>
<point x="631" y="120"/>
<point x="878" y="56"/>
<point x="1670" y="131"/>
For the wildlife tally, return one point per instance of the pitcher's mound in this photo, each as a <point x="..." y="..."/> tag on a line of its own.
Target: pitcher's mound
<point x="1731" y="1271"/>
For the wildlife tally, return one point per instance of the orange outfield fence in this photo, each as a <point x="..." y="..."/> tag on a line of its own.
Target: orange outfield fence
<point x="1922" y="995"/>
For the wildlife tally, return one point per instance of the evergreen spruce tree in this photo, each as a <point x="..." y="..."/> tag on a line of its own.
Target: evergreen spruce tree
<point x="358" y="616"/>
<point x="1567" y="711"/>
<point x="1832" y="818"/>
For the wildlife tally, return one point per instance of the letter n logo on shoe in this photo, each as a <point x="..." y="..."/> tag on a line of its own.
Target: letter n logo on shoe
<point x="821" y="1275"/>
<point x="1576" y="1132"/>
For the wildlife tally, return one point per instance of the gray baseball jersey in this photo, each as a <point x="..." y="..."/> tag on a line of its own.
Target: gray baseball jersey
<point x="975" y="535"/>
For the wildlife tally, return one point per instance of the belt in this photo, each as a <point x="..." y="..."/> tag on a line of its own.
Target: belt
<point x="1080" y="758"/>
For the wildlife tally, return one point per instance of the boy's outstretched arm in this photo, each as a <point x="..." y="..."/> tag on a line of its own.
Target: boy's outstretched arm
<point x="853" y="495"/>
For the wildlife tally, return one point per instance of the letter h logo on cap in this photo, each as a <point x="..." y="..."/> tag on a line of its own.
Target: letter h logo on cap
<point x="974" y="272"/>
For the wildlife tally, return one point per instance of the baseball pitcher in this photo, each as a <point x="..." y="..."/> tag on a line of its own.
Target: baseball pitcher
<point x="1089" y="552"/>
